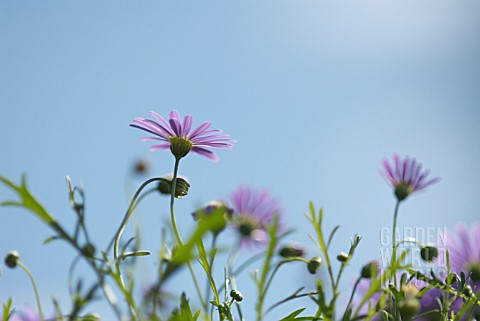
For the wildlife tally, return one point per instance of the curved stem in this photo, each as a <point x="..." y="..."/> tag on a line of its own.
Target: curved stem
<point x="118" y="235"/>
<point x="351" y="296"/>
<point x="129" y="212"/>
<point x="277" y="267"/>
<point x="35" y="290"/>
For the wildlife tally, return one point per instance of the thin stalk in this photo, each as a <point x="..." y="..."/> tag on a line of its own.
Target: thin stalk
<point x="127" y="216"/>
<point x="351" y="296"/>
<point x="177" y="233"/>
<point x="116" y="241"/>
<point x="394" y="242"/>
<point x="210" y="263"/>
<point x="35" y="290"/>
<point x="265" y="269"/>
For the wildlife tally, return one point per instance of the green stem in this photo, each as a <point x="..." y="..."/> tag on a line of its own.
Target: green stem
<point x="177" y="233"/>
<point x="129" y="212"/>
<point x="265" y="269"/>
<point x="393" y="260"/>
<point x="210" y="264"/>
<point x="277" y="267"/>
<point x="35" y="290"/>
<point x="116" y="242"/>
<point x="351" y="296"/>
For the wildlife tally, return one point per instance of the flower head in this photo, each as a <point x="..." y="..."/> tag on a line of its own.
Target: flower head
<point x="406" y="176"/>
<point x="221" y="209"/>
<point x="465" y="253"/>
<point x="177" y="134"/>
<point x="253" y="212"/>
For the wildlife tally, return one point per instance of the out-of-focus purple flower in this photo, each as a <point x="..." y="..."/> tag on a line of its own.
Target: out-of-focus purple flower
<point x="406" y="176"/>
<point x="212" y="207"/>
<point x="253" y="212"/>
<point x="215" y="208"/>
<point x="177" y="134"/>
<point x="464" y="250"/>
<point x="428" y="302"/>
<point x="27" y="315"/>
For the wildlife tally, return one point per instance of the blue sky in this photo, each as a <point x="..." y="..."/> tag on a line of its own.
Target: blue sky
<point x="317" y="93"/>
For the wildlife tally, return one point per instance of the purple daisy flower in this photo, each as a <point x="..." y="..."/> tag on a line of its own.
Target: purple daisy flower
<point x="428" y="302"/>
<point x="177" y="134"/>
<point x="464" y="250"/>
<point x="253" y="212"/>
<point x="406" y="176"/>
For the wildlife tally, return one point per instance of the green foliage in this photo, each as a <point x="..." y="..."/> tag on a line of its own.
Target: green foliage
<point x="27" y="200"/>
<point x="185" y="312"/>
<point x="7" y="312"/>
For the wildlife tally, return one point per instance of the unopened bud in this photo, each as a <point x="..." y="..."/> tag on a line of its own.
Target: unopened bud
<point x="236" y="295"/>
<point x="12" y="258"/>
<point x="314" y="264"/>
<point x="88" y="250"/>
<point x="408" y="307"/>
<point x="467" y="290"/>
<point x="370" y="269"/>
<point x="181" y="188"/>
<point x="342" y="257"/>
<point x="429" y="253"/>
<point x="292" y="250"/>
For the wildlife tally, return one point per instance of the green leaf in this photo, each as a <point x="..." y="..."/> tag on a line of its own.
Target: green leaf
<point x="50" y="239"/>
<point x="331" y="235"/>
<point x="185" y="313"/>
<point x="27" y="200"/>
<point x="6" y="310"/>
<point x="293" y="316"/>
<point x="136" y="253"/>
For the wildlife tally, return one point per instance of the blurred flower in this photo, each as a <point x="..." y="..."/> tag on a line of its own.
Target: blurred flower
<point x="253" y="212"/>
<point x="177" y="134"/>
<point x="464" y="250"/>
<point x="292" y="250"/>
<point x="406" y="176"/>
<point x="428" y="302"/>
<point x="219" y="208"/>
<point x="27" y="315"/>
<point x="212" y="207"/>
<point x="140" y="167"/>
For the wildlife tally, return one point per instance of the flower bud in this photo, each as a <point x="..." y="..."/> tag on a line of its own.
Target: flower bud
<point x="12" y="258"/>
<point x="429" y="253"/>
<point x="216" y="208"/>
<point x="236" y="295"/>
<point x="180" y="146"/>
<point x="314" y="264"/>
<point x="88" y="250"/>
<point x="370" y="269"/>
<point x="467" y="290"/>
<point x="141" y="167"/>
<point x="408" y="307"/>
<point x="342" y="257"/>
<point x="292" y="250"/>
<point x="181" y="189"/>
